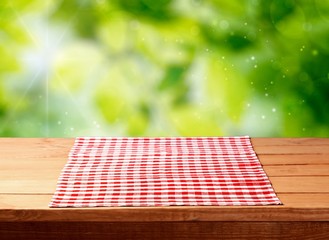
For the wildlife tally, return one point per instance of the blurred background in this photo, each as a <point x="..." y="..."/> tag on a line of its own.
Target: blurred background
<point x="164" y="68"/>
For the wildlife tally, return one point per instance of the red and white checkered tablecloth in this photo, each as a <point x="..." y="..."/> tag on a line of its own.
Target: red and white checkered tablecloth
<point x="168" y="171"/>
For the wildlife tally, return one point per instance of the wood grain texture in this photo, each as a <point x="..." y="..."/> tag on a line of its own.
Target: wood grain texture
<point x="294" y="159"/>
<point x="297" y="170"/>
<point x="290" y="141"/>
<point x="291" y="150"/>
<point x="309" y="184"/>
<point x="173" y="214"/>
<point x="28" y="186"/>
<point x="165" y="230"/>
<point x="297" y="167"/>
<point x="13" y="148"/>
<point x="40" y="202"/>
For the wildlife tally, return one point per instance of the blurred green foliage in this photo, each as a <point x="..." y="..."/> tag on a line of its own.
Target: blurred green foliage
<point x="164" y="68"/>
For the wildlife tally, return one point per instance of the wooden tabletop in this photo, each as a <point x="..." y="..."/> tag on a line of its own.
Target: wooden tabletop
<point x="297" y="167"/>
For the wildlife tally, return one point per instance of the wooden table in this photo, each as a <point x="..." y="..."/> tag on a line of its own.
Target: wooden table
<point x="298" y="169"/>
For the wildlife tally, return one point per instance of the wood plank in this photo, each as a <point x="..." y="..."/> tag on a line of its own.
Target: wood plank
<point x="45" y="171"/>
<point x="164" y="230"/>
<point x="290" y="141"/>
<point x="35" y="144"/>
<point x="60" y="147"/>
<point x="265" y="159"/>
<point x="11" y="143"/>
<point x="303" y="184"/>
<point x="32" y="186"/>
<point x="40" y="202"/>
<point x="25" y="201"/>
<point x="291" y="150"/>
<point x="280" y="184"/>
<point x="35" y="147"/>
<point x="287" y="159"/>
<point x="305" y="200"/>
<point x="166" y="214"/>
<point x="35" y="174"/>
<point x="297" y="170"/>
<point x="34" y="153"/>
<point x="67" y="142"/>
<point x="10" y="164"/>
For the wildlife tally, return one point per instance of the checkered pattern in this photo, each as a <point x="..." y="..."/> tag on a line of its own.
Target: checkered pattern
<point x="184" y="171"/>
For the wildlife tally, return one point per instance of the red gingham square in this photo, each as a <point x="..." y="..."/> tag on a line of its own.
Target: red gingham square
<point x="168" y="171"/>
